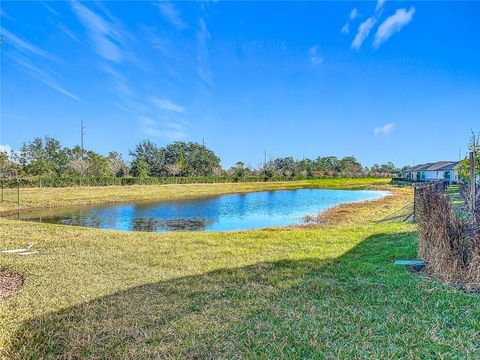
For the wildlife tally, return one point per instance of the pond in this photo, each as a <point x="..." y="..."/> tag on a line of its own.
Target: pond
<point x="226" y="212"/>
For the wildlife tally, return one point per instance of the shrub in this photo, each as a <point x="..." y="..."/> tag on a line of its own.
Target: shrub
<point x="87" y="180"/>
<point x="449" y="241"/>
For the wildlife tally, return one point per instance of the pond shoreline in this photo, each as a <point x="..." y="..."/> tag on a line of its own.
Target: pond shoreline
<point x="44" y="198"/>
<point x="226" y="212"/>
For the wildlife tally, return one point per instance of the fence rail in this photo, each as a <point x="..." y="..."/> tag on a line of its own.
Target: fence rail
<point x="10" y="193"/>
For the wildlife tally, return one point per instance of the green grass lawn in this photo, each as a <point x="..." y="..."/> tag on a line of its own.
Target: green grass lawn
<point x="323" y="292"/>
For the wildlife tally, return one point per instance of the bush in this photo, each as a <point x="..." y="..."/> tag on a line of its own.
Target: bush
<point x="449" y="241"/>
<point x="68" y="181"/>
<point x="88" y="180"/>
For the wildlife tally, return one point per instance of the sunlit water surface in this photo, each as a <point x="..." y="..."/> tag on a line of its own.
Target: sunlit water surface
<point x="226" y="212"/>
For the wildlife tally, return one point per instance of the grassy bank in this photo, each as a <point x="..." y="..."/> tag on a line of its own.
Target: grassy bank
<point x="51" y="197"/>
<point x="329" y="291"/>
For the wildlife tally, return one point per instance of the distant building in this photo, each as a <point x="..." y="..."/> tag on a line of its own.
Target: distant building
<point x="442" y="170"/>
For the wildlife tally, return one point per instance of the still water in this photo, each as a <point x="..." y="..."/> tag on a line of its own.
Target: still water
<point x="226" y="212"/>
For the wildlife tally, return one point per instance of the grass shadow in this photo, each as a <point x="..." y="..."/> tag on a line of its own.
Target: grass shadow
<point x="358" y="305"/>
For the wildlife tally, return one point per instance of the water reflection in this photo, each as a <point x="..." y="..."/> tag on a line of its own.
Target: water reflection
<point x="227" y="212"/>
<point x="151" y="224"/>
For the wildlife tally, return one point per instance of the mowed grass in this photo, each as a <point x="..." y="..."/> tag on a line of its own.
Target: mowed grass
<point x="321" y="292"/>
<point x="52" y="197"/>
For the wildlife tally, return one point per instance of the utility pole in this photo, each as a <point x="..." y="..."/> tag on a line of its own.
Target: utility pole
<point x="203" y="141"/>
<point x="265" y="162"/>
<point x="82" y="134"/>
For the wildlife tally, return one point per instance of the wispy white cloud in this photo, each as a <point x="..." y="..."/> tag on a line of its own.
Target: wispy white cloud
<point x="171" y="13"/>
<point x="5" y="149"/>
<point x="164" y="133"/>
<point x="363" y="32"/>
<point x="50" y="9"/>
<point x="159" y="43"/>
<point x="5" y="15"/>
<point x="314" y="56"/>
<point x="169" y="130"/>
<point x="168" y="105"/>
<point x="105" y="37"/>
<point x="165" y="45"/>
<point x="175" y="126"/>
<point x="22" y="56"/>
<point x="379" y="5"/>
<point x="26" y="47"/>
<point x="354" y="14"/>
<point x="203" y="68"/>
<point x="67" y="32"/>
<point x="131" y="105"/>
<point x="393" y="24"/>
<point x="42" y="75"/>
<point x="120" y="83"/>
<point x="346" y="28"/>
<point x="147" y="121"/>
<point x="384" y="130"/>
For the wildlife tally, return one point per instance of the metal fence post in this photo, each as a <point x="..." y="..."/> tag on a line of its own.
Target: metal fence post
<point x="18" y="193"/>
<point x="414" y="203"/>
<point x="473" y="181"/>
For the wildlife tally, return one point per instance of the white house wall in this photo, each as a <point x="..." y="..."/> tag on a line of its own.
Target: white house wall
<point x="439" y="175"/>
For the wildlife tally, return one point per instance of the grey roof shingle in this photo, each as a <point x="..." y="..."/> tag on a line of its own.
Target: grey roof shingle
<point x="438" y="166"/>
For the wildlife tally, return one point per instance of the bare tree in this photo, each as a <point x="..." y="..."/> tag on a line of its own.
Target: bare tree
<point x="174" y="169"/>
<point x="217" y="171"/>
<point x="78" y="166"/>
<point x="116" y="164"/>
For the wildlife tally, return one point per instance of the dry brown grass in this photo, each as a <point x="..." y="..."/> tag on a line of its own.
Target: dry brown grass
<point x="448" y="242"/>
<point x="395" y="207"/>
<point x="10" y="281"/>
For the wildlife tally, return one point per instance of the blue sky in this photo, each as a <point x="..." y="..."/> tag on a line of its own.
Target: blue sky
<point x="383" y="81"/>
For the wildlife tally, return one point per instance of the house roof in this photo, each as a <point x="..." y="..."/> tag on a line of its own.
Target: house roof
<point x="438" y="166"/>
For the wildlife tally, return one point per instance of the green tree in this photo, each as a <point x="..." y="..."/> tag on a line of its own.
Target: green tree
<point x="33" y="158"/>
<point x="43" y="157"/>
<point x="328" y="165"/>
<point x="238" y="170"/>
<point x="56" y="155"/>
<point x="349" y="165"/>
<point x="464" y="167"/>
<point x="139" y="168"/>
<point x="285" y="166"/>
<point x="305" y="167"/>
<point x="97" y="165"/>
<point x="152" y="155"/>
<point x="192" y="158"/>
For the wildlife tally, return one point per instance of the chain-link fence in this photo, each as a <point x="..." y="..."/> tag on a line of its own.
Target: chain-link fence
<point x="9" y="193"/>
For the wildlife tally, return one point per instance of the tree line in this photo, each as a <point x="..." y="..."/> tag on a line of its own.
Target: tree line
<point x="47" y="157"/>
